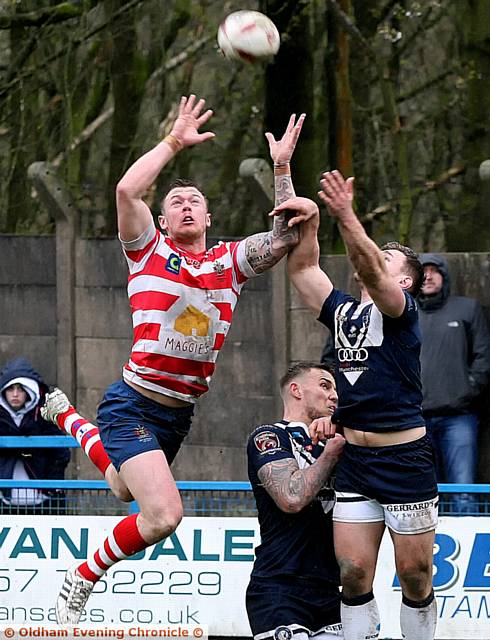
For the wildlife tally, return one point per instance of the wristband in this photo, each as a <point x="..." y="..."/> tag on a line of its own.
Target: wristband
<point x="282" y="169"/>
<point x="175" y="144"/>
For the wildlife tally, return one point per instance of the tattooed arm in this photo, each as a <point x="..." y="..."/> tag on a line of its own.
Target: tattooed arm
<point x="292" y="488"/>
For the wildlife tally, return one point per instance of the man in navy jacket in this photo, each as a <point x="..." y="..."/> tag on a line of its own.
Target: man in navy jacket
<point x="22" y="392"/>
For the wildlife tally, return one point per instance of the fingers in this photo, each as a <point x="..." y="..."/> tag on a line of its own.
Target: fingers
<point x="321" y="429"/>
<point x="204" y="117"/>
<point x="270" y="138"/>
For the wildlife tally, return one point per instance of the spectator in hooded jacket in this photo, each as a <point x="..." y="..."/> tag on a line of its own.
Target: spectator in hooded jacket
<point x="455" y="360"/>
<point x="22" y="392"/>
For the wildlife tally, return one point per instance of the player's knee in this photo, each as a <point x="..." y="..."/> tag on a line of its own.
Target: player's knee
<point x="162" y="522"/>
<point x="122" y="493"/>
<point x="353" y="575"/>
<point x="415" y="578"/>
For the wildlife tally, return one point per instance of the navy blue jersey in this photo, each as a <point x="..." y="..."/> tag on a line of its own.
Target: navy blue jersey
<point x="377" y="364"/>
<point x="292" y="544"/>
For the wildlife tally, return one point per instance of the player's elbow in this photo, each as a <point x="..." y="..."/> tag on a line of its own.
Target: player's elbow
<point x="124" y="193"/>
<point x="291" y="505"/>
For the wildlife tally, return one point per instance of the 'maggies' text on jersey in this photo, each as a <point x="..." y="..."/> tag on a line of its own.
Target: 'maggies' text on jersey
<point x="182" y="306"/>
<point x="377" y="364"/>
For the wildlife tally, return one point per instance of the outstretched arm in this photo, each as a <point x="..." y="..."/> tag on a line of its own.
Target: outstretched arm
<point x="292" y="488"/>
<point x="133" y="215"/>
<point x="312" y="284"/>
<point x="264" y="250"/>
<point x="368" y="260"/>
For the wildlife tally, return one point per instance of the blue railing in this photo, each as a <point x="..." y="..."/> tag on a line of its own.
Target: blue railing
<point x="199" y="497"/>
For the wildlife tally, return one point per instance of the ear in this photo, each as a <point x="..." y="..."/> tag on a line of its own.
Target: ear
<point x="208" y="219"/>
<point x="406" y="282"/>
<point x="295" y="390"/>
<point x="162" y="220"/>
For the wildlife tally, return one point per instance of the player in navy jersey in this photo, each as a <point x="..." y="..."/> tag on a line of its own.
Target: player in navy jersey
<point x="182" y="298"/>
<point x="294" y="585"/>
<point x="386" y="476"/>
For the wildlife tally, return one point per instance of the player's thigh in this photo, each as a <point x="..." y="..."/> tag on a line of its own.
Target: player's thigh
<point x="148" y="477"/>
<point x="357" y="546"/>
<point x="413" y="553"/>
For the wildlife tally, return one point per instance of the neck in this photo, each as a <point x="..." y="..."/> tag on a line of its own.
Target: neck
<point x="296" y="416"/>
<point x="198" y="245"/>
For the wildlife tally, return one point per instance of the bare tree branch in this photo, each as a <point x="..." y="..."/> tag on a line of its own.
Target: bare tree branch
<point x="430" y="185"/>
<point x="76" y="42"/>
<point x="93" y="126"/>
<point x="350" y="27"/>
<point x="58" y="13"/>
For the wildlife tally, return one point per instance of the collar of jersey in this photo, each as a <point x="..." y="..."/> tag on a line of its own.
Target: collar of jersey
<point x="195" y="257"/>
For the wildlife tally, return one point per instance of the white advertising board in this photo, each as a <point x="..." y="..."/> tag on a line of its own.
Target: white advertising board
<point x="199" y="575"/>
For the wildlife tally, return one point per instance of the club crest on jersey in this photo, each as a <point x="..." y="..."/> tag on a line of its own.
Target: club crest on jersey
<point x="267" y="441"/>
<point x="219" y="268"/>
<point x="173" y="263"/>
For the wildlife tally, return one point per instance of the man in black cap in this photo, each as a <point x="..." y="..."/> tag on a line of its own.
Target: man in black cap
<point x="455" y="360"/>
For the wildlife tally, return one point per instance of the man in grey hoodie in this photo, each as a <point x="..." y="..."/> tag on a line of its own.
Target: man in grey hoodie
<point x="455" y="360"/>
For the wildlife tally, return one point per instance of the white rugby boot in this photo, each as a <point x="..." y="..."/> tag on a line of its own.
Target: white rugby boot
<point x="55" y="403"/>
<point x="72" y="598"/>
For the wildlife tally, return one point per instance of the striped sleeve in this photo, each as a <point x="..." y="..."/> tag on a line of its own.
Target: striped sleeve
<point x="138" y="250"/>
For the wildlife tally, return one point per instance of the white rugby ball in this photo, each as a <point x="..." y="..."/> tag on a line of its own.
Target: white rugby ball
<point x="248" y="35"/>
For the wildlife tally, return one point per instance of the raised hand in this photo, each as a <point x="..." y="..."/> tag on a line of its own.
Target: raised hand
<point x="302" y="209"/>
<point x="190" y="119"/>
<point x="337" y="194"/>
<point x="282" y="150"/>
<point x="321" y="429"/>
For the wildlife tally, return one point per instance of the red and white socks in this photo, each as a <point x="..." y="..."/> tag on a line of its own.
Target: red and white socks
<point x="124" y="541"/>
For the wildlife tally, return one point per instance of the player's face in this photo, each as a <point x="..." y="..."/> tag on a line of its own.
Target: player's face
<point x="319" y="393"/>
<point x="185" y="214"/>
<point x="396" y="264"/>
<point x="433" y="280"/>
<point x="16" y="396"/>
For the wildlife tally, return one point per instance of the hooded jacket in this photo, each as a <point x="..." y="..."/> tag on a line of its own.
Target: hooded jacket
<point x="455" y="355"/>
<point x="42" y="463"/>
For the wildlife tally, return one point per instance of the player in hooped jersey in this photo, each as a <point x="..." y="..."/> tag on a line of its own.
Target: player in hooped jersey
<point x="385" y="477"/>
<point x="182" y="299"/>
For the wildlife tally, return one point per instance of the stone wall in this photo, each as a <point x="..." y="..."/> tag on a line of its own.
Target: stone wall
<point x="271" y="329"/>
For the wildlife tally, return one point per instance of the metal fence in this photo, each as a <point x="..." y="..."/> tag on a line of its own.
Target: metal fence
<point x="93" y="497"/>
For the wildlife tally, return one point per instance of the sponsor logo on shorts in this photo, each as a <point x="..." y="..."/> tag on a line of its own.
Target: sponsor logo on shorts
<point x="414" y="506"/>
<point x="267" y="441"/>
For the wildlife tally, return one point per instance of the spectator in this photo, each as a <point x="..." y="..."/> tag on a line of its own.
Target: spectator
<point x="22" y="392"/>
<point x="455" y="360"/>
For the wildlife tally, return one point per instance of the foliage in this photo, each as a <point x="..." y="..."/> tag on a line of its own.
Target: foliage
<point x="395" y="91"/>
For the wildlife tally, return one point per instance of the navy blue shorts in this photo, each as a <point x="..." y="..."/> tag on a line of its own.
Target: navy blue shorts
<point x="285" y="602"/>
<point x="394" y="474"/>
<point x="130" y="424"/>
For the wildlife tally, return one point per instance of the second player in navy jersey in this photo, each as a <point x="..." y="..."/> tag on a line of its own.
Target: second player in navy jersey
<point x="294" y="585"/>
<point x="385" y="477"/>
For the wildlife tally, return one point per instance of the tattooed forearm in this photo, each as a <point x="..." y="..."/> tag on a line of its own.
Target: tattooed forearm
<point x="292" y="488"/>
<point x="264" y="250"/>
<point x="283" y="189"/>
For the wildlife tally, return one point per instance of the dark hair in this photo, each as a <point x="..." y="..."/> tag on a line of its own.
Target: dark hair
<point x="301" y="367"/>
<point x="413" y="265"/>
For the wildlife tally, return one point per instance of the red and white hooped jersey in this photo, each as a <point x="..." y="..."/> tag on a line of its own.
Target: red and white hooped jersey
<point x="182" y="306"/>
